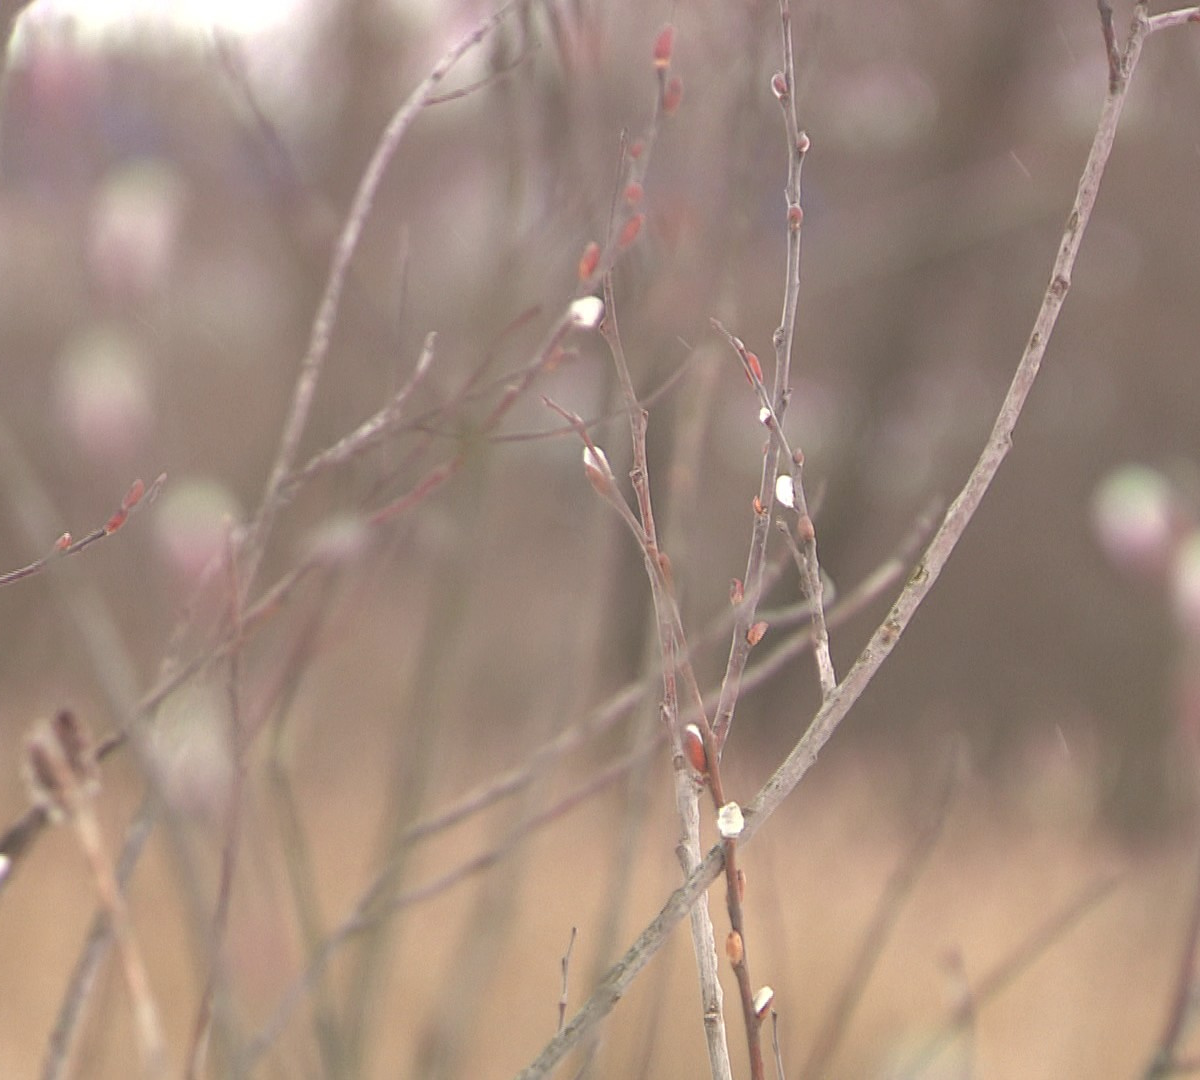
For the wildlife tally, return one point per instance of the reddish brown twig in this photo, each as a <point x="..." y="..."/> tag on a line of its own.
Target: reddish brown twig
<point x="136" y="497"/>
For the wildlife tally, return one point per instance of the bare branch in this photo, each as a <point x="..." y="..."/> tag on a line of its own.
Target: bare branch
<point x="835" y="707"/>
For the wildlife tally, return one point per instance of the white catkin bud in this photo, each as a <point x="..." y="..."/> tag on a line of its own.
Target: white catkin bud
<point x="762" y="1001"/>
<point x="764" y="416"/>
<point x="594" y="458"/>
<point x="598" y="471"/>
<point x="586" y="312"/>
<point x="730" y="821"/>
<point x="785" y="491"/>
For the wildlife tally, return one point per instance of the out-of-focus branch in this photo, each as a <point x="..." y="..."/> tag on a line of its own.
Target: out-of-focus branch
<point x="313" y="362"/>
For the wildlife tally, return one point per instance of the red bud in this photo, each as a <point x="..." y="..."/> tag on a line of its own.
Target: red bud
<point x="663" y="46"/>
<point x="672" y="95"/>
<point x="134" y="495"/>
<point x="588" y="261"/>
<point x="693" y="749"/>
<point x="630" y="231"/>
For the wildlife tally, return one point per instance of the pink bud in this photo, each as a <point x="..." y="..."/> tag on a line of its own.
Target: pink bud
<point x="663" y="46"/>
<point x="589" y="260"/>
<point x="630" y="231"/>
<point x="672" y="95"/>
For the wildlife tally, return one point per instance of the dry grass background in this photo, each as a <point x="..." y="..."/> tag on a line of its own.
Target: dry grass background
<point x="163" y="251"/>
<point x="1090" y="1004"/>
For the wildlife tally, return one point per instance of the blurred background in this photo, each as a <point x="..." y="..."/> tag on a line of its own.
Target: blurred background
<point x="171" y="191"/>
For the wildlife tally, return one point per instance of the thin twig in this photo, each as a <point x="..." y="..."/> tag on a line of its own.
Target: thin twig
<point x="1169" y="19"/>
<point x="371" y="431"/>
<point x="1110" y="42"/>
<point x="137" y="496"/>
<point x="566" y="968"/>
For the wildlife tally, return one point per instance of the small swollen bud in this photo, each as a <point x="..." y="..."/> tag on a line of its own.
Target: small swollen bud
<point x="755" y="634"/>
<point x="75" y="742"/>
<point x="785" y="491"/>
<point x="598" y="471"/>
<point x="596" y="460"/>
<point x="60" y="766"/>
<point x="735" y="948"/>
<point x="779" y="86"/>
<point x="737" y="591"/>
<point x="668" y="571"/>
<point x="589" y="260"/>
<point x="633" y="193"/>
<point x="753" y="368"/>
<point x="134" y="495"/>
<point x="630" y="230"/>
<point x="803" y="143"/>
<point x="44" y="776"/>
<point x="664" y="44"/>
<point x="672" y="95"/>
<point x="693" y="749"/>
<point x="762" y="1001"/>
<point x="795" y="217"/>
